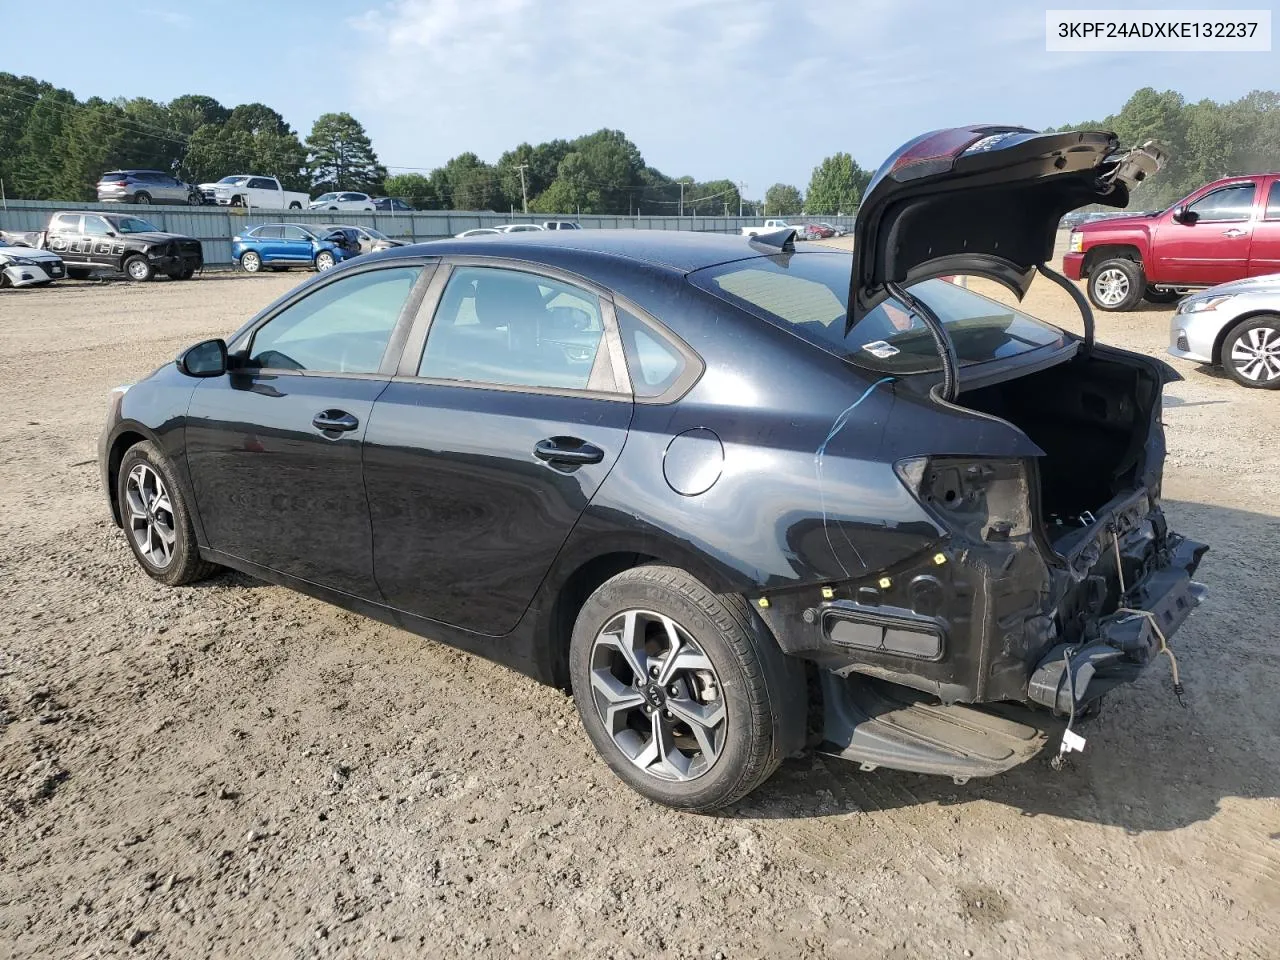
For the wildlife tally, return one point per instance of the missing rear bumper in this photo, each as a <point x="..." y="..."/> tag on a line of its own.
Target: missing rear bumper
<point x="1121" y="645"/>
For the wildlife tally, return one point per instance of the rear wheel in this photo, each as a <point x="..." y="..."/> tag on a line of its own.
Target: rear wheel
<point x="1251" y="353"/>
<point x="1152" y="295"/>
<point x="1116" y="285"/>
<point x="143" y="198"/>
<point x="137" y="268"/>
<point x="325" y="261"/>
<point x="295" y="206"/>
<point x="682" y="691"/>
<point x="78" y="273"/>
<point x="250" y="262"/>
<point x="156" y="520"/>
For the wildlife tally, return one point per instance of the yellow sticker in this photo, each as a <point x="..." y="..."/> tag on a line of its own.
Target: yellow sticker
<point x="827" y="593"/>
<point x="939" y="558"/>
<point x="885" y="583"/>
<point x="763" y="602"/>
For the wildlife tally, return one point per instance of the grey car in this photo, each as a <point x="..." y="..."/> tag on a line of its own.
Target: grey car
<point x="1236" y="325"/>
<point x="146" y="186"/>
<point x="371" y="240"/>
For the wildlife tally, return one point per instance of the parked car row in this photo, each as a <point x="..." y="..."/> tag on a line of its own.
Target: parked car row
<point x="235" y="190"/>
<point x="89" y="243"/>
<point x="519" y="228"/>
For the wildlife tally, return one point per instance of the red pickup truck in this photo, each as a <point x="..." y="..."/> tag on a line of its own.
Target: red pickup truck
<point x="1226" y="230"/>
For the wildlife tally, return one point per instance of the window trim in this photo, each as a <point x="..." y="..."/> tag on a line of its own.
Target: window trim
<point x="1272" y="189"/>
<point x="411" y="358"/>
<point x="241" y="342"/>
<point x="694" y="366"/>
<point x="1222" y="189"/>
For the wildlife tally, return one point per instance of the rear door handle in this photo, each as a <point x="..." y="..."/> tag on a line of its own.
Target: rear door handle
<point x="338" y="420"/>
<point x="1234" y="232"/>
<point x="567" y="450"/>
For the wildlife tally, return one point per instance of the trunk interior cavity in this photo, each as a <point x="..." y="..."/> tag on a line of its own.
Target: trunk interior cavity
<point x="1093" y="417"/>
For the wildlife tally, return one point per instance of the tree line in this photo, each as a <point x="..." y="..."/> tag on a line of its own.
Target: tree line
<point x="53" y="146"/>
<point x="1206" y="140"/>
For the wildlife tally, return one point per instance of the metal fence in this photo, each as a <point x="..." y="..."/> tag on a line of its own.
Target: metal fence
<point x="215" y="226"/>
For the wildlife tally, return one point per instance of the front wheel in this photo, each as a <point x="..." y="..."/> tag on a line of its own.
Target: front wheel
<point x="325" y="261"/>
<point x="137" y="269"/>
<point x="682" y="691"/>
<point x="195" y="199"/>
<point x="156" y="520"/>
<point x="250" y="262"/>
<point x="1116" y="285"/>
<point x="1251" y="353"/>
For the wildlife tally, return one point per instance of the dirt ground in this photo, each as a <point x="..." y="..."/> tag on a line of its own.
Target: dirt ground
<point x="234" y="770"/>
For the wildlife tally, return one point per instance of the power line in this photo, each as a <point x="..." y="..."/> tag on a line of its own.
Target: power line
<point x="131" y="124"/>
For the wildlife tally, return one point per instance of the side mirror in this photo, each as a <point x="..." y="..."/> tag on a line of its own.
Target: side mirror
<point x="1182" y="215"/>
<point x="207" y="359"/>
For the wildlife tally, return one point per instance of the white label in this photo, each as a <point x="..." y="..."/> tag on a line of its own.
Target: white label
<point x="1138" y="31"/>
<point x="1072" y="741"/>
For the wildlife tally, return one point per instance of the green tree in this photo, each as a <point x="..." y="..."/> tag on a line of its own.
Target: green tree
<point x="836" y="186"/>
<point x="192" y="111"/>
<point x="468" y="183"/>
<point x="782" y="200"/>
<point x="215" y="151"/>
<point x="341" y="156"/>
<point x="415" y="189"/>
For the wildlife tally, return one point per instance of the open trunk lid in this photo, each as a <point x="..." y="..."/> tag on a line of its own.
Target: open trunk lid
<point x="983" y="201"/>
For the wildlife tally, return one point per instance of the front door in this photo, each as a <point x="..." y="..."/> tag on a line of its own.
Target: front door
<point x="274" y="446"/>
<point x="1264" y="252"/>
<point x="1211" y="244"/>
<point x="298" y="245"/>
<point x="479" y="461"/>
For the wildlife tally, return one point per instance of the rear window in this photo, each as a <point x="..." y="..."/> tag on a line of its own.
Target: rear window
<point x="114" y="175"/>
<point x="807" y="294"/>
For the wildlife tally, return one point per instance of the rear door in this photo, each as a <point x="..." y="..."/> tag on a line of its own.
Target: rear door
<point x="488" y="445"/>
<point x="274" y="445"/>
<point x="65" y="237"/>
<point x="270" y="241"/>
<point x="102" y="243"/>
<point x="1211" y="243"/>
<point x="263" y="193"/>
<point x="1264" y="251"/>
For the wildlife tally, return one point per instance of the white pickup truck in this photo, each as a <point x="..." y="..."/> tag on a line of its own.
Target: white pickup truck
<point x="769" y="227"/>
<point x="251" y="190"/>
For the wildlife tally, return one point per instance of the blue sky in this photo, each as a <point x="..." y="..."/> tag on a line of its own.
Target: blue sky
<point x="755" y="90"/>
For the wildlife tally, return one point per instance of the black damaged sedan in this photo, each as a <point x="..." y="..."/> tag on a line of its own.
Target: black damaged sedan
<point x="717" y="486"/>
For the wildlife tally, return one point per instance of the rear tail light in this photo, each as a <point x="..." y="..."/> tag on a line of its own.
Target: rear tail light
<point x="980" y="499"/>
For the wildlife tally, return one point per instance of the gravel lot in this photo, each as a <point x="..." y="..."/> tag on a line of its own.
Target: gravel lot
<point x="234" y="770"/>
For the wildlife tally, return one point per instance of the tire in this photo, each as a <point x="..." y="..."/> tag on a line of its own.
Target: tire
<point x="153" y="510"/>
<point x="295" y="206"/>
<point x="1116" y="285"/>
<point x="753" y="694"/>
<point x="250" y="262"/>
<point x="137" y="269"/>
<point x="143" y="198"/>
<point x="1251" y="353"/>
<point x="195" y="200"/>
<point x="325" y="261"/>
<point x="4" y="280"/>
<point x="237" y="201"/>
<point x="78" y="273"/>
<point x="1152" y="295"/>
<point x="186" y="274"/>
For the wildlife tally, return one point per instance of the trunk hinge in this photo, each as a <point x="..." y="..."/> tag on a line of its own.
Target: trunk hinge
<point x="1086" y="311"/>
<point x="946" y="349"/>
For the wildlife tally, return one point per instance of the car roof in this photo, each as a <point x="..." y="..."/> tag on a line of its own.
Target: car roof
<point x="680" y="250"/>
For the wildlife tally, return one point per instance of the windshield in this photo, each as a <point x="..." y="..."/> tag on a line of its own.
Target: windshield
<point x="808" y="294"/>
<point x="233" y="180"/>
<point x="135" y="225"/>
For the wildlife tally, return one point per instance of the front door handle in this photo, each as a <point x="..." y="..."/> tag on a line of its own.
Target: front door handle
<point x="338" y="420"/>
<point x="567" y="450"/>
<point x="1234" y="232"/>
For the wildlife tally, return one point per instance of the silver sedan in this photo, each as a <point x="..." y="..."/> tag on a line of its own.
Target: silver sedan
<point x="1236" y="325"/>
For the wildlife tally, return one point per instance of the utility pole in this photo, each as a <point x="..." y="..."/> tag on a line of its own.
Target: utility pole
<point x="524" y="194"/>
<point x="682" y="198"/>
<point x="741" y="188"/>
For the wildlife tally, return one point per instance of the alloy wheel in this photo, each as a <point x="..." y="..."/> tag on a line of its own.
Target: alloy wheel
<point x="658" y="695"/>
<point x="150" y="520"/>
<point x="138" y="270"/>
<point x="1256" y="354"/>
<point x="325" y="261"/>
<point x="250" y="262"/>
<point x="1111" y="287"/>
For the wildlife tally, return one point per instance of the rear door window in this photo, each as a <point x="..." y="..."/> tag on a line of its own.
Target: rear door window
<point x="1273" y="201"/>
<point x="66" y="223"/>
<point x="807" y="295"/>
<point x="514" y="328"/>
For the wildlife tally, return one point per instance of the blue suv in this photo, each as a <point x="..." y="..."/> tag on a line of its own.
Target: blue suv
<point x="278" y="246"/>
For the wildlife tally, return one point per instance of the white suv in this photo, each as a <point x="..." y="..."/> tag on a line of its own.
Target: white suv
<point x="344" y="200"/>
